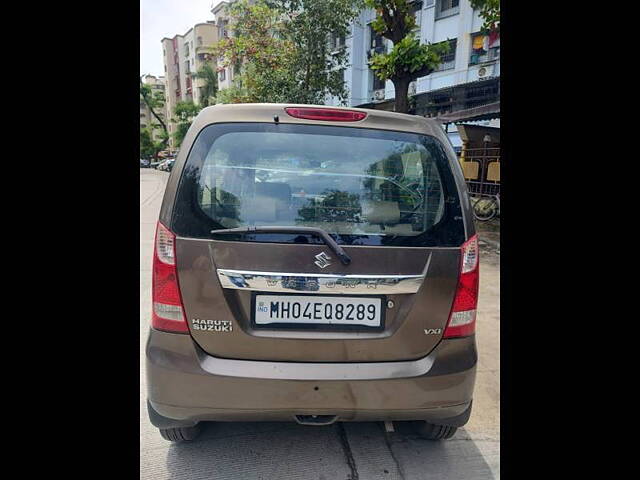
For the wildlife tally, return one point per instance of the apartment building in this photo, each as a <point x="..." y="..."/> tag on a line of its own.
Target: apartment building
<point x="225" y="75"/>
<point x="147" y="118"/>
<point x="468" y="77"/>
<point x="183" y="56"/>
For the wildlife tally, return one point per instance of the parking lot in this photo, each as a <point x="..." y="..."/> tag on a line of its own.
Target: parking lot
<point x="340" y="451"/>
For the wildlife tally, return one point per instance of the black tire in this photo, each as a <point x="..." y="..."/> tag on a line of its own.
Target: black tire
<point x="429" y="431"/>
<point x="181" y="434"/>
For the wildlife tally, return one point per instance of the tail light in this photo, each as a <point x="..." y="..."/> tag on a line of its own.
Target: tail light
<point x="462" y="321"/>
<point x="168" y="312"/>
<point x="326" y="114"/>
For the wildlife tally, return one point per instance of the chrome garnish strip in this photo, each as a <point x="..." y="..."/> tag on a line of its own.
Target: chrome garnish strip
<point x="315" y="371"/>
<point x="319" y="283"/>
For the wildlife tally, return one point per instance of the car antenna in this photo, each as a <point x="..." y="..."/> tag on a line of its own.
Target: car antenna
<point x="276" y="119"/>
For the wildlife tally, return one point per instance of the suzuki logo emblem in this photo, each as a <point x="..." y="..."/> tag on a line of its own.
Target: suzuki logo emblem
<point x="322" y="260"/>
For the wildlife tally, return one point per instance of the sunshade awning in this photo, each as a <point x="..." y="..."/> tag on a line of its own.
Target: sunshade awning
<point x="482" y="112"/>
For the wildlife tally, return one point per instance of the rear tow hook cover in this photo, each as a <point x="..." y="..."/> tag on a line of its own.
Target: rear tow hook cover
<point x="316" y="419"/>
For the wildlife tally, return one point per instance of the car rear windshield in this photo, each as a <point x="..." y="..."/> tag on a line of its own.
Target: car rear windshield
<point x="362" y="186"/>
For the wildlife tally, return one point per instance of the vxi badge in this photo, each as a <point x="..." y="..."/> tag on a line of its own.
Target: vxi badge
<point x="432" y="331"/>
<point x="212" y="325"/>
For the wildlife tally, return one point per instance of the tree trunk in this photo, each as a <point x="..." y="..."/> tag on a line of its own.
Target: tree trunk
<point x="148" y="102"/>
<point x="401" y="86"/>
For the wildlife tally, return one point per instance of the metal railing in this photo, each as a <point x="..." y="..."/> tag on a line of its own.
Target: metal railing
<point x="483" y="181"/>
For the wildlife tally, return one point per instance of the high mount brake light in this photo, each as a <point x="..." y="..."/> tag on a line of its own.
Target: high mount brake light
<point x="462" y="321"/>
<point x="326" y="114"/>
<point x="168" y="311"/>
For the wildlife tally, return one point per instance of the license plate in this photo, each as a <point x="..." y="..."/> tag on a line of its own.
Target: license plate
<point x="317" y="310"/>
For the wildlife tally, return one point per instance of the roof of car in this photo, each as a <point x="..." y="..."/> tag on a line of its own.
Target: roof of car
<point x="265" y="112"/>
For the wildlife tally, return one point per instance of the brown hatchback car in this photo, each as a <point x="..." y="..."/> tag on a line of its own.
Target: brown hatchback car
<point x="313" y="264"/>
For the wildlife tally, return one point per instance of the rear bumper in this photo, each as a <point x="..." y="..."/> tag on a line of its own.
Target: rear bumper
<point x="186" y="386"/>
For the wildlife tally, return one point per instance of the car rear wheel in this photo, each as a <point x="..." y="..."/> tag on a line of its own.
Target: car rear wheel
<point x="181" y="434"/>
<point x="429" y="431"/>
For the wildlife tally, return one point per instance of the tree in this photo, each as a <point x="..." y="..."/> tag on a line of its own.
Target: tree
<point x="409" y="59"/>
<point x="210" y="88"/>
<point x="154" y="101"/>
<point x="149" y="148"/>
<point x="283" y="49"/>
<point x="236" y="93"/>
<point x="489" y="12"/>
<point x="146" y="143"/>
<point x="184" y="113"/>
<point x="317" y="29"/>
<point x="258" y="50"/>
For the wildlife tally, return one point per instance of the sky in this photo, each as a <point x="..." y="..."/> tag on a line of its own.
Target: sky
<point x="167" y="18"/>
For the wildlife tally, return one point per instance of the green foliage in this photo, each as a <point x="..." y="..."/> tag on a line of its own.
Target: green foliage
<point x="235" y="93"/>
<point x="210" y="88"/>
<point x="146" y="143"/>
<point x="155" y="102"/>
<point x="408" y="58"/>
<point x="148" y="147"/>
<point x="317" y="66"/>
<point x="283" y="49"/>
<point x="181" y="131"/>
<point x="258" y="44"/>
<point x="184" y="113"/>
<point x="489" y="12"/>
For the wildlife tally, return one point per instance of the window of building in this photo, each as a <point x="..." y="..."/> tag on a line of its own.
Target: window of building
<point x="376" y="45"/>
<point x="222" y="74"/>
<point x="222" y="29"/>
<point x="186" y="66"/>
<point x="484" y="48"/>
<point x="336" y="42"/>
<point x="377" y="83"/>
<point x="446" y="8"/>
<point x="416" y="11"/>
<point x="199" y="41"/>
<point x="448" y="61"/>
<point x="377" y="41"/>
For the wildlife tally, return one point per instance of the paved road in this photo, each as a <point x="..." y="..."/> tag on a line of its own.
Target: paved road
<point x="348" y="451"/>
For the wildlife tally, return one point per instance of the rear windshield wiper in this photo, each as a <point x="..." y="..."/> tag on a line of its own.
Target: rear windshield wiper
<point x="330" y="242"/>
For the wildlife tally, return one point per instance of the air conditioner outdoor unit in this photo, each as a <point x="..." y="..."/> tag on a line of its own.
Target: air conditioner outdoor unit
<point x="412" y="88"/>
<point x="379" y="94"/>
<point x="485" y="71"/>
